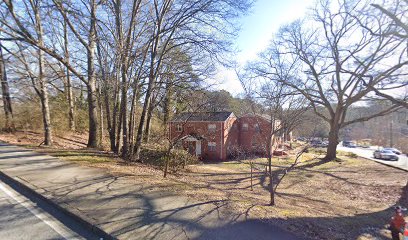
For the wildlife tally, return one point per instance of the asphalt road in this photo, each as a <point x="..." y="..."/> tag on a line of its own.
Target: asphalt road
<point x="20" y="218"/>
<point x="368" y="153"/>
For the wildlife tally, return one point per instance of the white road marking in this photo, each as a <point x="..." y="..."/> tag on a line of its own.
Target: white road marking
<point x="57" y="226"/>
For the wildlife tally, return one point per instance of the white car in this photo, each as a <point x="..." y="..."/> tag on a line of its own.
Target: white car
<point x="385" y="154"/>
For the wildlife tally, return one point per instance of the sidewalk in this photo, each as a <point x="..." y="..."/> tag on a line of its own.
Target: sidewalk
<point x="125" y="208"/>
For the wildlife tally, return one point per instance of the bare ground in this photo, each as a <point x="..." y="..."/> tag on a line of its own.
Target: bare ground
<point x="351" y="198"/>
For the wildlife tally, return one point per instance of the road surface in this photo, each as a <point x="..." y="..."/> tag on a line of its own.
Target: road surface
<point x="21" y="219"/>
<point x="368" y="153"/>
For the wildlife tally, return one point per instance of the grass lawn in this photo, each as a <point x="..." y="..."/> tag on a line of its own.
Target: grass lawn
<point x="349" y="198"/>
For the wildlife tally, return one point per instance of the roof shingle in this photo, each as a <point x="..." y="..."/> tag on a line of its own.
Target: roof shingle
<point x="202" y="117"/>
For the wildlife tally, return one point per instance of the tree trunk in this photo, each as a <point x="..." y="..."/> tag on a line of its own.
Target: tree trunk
<point x="111" y="129"/>
<point x="46" y="115"/>
<point x="43" y="92"/>
<point x="123" y="113"/>
<point x="140" y="129"/>
<point x="148" y="123"/>
<point x="102" y="130"/>
<point x="119" y="130"/>
<point x="93" y="115"/>
<point x="333" y="142"/>
<point x="146" y="105"/>
<point x="8" y="111"/>
<point x="44" y="101"/>
<point x="115" y="116"/>
<point x="71" y="120"/>
<point x="71" y="112"/>
<point x="167" y="105"/>
<point x="91" y="86"/>
<point x="166" y="164"/>
<point x="105" y="93"/>
<point x="132" y="119"/>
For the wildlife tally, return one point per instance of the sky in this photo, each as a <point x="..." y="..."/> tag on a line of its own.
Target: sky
<point x="257" y="28"/>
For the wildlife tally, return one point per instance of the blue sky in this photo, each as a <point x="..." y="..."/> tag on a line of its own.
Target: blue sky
<point x="258" y="26"/>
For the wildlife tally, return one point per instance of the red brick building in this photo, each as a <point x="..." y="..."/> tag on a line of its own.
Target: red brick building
<point x="216" y="135"/>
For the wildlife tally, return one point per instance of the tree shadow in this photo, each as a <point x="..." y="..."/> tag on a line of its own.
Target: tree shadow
<point x="132" y="209"/>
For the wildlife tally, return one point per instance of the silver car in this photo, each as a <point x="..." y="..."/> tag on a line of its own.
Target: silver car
<point x="385" y="154"/>
<point x="394" y="150"/>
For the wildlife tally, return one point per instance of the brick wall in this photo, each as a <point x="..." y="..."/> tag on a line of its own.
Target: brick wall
<point x="253" y="134"/>
<point x="249" y="133"/>
<point x="210" y="136"/>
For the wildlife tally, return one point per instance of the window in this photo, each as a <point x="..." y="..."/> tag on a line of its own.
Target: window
<point x="256" y="127"/>
<point x="179" y="128"/>
<point x="212" y="146"/>
<point x="212" y="127"/>
<point x="245" y="127"/>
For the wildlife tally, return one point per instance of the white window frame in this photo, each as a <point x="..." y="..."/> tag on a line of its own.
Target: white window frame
<point x="179" y="128"/>
<point x="212" y="146"/>
<point x="212" y="127"/>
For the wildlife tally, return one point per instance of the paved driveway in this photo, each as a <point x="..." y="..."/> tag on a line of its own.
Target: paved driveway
<point x="368" y="153"/>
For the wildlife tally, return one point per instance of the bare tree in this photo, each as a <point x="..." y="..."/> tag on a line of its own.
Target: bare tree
<point x="5" y="90"/>
<point x="123" y="50"/>
<point x="336" y="63"/>
<point x="16" y="25"/>
<point x="199" y="28"/>
<point x="396" y="12"/>
<point x="69" y="94"/>
<point x="283" y="106"/>
<point x="37" y="76"/>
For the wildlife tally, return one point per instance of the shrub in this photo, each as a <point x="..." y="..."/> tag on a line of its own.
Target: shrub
<point x="179" y="158"/>
<point x="156" y="155"/>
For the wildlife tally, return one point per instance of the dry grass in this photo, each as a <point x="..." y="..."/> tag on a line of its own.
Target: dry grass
<point x="35" y="139"/>
<point x="350" y="198"/>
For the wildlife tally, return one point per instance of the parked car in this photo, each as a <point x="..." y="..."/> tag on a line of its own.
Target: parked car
<point x="303" y="139"/>
<point x="349" y="144"/>
<point x="319" y="143"/>
<point x="394" y="150"/>
<point x="385" y="154"/>
<point x="316" y="143"/>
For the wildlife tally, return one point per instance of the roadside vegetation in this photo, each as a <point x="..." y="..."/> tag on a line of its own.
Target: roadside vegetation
<point x="96" y="83"/>
<point x="349" y="198"/>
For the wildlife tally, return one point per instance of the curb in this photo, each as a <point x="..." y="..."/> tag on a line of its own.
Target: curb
<point x="388" y="165"/>
<point x="15" y="182"/>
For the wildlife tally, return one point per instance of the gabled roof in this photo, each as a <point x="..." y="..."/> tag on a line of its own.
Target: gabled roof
<point x="202" y="117"/>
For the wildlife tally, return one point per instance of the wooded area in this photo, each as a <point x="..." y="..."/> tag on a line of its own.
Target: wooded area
<point x="133" y="58"/>
<point x="120" y="69"/>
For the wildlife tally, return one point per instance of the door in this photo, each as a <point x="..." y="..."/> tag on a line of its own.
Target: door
<point x="198" y="148"/>
<point x="191" y="147"/>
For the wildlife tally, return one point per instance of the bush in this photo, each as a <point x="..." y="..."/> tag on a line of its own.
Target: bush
<point x="179" y="158"/>
<point x="156" y="155"/>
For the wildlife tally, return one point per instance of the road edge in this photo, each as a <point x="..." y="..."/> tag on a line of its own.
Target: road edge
<point x="385" y="164"/>
<point x="15" y="183"/>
